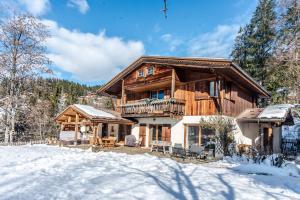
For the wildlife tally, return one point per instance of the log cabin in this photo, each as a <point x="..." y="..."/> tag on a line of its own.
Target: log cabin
<point x="167" y="96"/>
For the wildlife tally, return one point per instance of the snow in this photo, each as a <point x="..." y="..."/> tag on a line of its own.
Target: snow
<point x="94" y="112"/>
<point x="48" y="172"/>
<point x="275" y="111"/>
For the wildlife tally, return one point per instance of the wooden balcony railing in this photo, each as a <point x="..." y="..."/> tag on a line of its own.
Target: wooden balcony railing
<point x="149" y="107"/>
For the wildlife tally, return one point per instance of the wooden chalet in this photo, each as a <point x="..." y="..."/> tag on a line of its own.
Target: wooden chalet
<point x="167" y="96"/>
<point x="80" y="123"/>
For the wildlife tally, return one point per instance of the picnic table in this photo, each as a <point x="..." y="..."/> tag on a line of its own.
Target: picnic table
<point x="108" y="142"/>
<point x="164" y="145"/>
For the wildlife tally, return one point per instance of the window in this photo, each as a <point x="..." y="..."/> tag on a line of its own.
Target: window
<point x="150" y="70"/>
<point x="141" y="73"/>
<point x="214" y="88"/>
<point x="157" y="94"/>
<point x="207" y="135"/>
<point x="193" y="135"/>
<point x="161" y="94"/>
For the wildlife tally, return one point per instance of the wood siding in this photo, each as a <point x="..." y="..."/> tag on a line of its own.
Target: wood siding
<point x="192" y="87"/>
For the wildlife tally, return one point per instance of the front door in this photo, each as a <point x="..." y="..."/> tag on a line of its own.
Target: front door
<point x="268" y="140"/>
<point x="143" y="134"/>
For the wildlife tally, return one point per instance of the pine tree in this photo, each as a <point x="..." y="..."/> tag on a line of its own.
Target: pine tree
<point x="284" y="73"/>
<point x="253" y="46"/>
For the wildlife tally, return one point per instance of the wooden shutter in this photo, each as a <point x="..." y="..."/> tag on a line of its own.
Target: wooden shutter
<point x="166" y="133"/>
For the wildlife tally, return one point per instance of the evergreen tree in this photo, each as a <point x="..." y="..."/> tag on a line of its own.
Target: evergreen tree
<point x="284" y="73"/>
<point x="253" y="46"/>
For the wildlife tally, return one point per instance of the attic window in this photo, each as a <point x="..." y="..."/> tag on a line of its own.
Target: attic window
<point x="150" y="70"/>
<point x="140" y="73"/>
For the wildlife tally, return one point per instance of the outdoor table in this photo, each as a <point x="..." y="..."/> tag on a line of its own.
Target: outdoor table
<point x="108" y="142"/>
<point x="161" y="144"/>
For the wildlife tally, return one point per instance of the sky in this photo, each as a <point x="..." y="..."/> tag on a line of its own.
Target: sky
<point x="92" y="40"/>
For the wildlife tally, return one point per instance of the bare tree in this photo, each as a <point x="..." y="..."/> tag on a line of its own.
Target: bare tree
<point x="22" y="58"/>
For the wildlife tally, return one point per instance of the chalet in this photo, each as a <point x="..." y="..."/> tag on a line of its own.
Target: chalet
<point x="167" y="97"/>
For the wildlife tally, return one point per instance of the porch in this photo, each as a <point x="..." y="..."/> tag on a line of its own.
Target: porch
<point x="82" y="124"/>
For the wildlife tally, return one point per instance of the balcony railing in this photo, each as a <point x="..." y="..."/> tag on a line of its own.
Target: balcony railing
<point x="153" y="107"/>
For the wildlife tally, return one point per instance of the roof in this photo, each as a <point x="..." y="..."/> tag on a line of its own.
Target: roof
<point x="94" y="114"/>
<point x="279" y="111"/>
<point x="273" y="113"/>
<point x="215" y="63"/>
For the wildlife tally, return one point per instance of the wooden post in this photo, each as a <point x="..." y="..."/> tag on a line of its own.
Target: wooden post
<point x="94" y="135"/>
<point x="185" y="135"/>
<point x="173" y="83"/>
<point x="123" y="93"/>
<point x="76" y="128"/>
<point x="200" y="135"/>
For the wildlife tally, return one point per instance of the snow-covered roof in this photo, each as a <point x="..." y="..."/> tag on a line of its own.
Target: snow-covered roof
<point x="94" y="112"/>
<point x="273" y="113"/>
<point x="279" y="111"/>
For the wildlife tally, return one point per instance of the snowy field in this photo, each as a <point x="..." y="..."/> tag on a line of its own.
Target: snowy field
<point x="45" y="172"/>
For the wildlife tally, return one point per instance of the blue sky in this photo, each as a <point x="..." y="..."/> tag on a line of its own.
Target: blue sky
<point x="92" y="40"/>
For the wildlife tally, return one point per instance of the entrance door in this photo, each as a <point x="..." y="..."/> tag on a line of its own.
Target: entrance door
<point x="143" y="134"/>
<point x="268" y="140"/>
<point x="104" y="130"/>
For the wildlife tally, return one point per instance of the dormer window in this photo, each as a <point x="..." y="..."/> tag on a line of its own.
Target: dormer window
<point x="150" y="70"/>
<point x="140" y="73"/>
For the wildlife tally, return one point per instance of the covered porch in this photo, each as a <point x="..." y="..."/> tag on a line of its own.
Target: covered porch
<point x="83" y="124"/>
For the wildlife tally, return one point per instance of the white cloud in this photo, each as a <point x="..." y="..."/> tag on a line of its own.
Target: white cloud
<point x="90" y="57"/>
<point x="36" y="7"/>
<point x="172" y="41"/>
<point x="217" y="43"/>
<point x="82" y="5"/>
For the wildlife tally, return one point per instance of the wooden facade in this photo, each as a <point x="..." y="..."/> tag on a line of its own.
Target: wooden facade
<point x="163" y="86"/>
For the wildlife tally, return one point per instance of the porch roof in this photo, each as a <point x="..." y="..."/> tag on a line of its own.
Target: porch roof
<point x="92" y="114"/>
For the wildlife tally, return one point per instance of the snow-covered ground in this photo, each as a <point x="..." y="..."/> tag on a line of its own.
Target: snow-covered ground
<point x="46" y="172"/>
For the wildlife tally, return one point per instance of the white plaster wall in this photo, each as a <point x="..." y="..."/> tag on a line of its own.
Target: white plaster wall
<point x="246" y="133"/>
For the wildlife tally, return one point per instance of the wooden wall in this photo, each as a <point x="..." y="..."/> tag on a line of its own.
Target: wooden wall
<point x="187" y="88"/>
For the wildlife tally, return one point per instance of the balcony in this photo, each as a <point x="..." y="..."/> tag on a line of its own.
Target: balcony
<point x="153" y="108"/>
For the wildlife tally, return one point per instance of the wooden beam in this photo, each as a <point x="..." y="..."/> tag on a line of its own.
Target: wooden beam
<point x="173" y="83"/>
<point x="94" y="135"/>
<point x="123" y="93"/>
<point x="76" y="127"/>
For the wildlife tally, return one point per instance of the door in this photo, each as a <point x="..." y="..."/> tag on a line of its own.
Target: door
<point x="268" y="140"/>
<point x="142" y="134"/>
<point x="159" y="132"/>
<point x="104" y="130"/>
<point x="166" y="133"/>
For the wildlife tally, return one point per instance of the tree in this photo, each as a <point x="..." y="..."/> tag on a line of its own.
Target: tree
<point x="284" y="73"/>
<point x="224" y="131"/>
<point x="22" y="58"/>
<point x="253" y="45"/>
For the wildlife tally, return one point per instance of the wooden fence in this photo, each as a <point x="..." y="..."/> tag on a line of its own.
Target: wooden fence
<point x="23" y="143"/>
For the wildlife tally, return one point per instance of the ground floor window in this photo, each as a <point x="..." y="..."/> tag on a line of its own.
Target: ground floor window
<point x="200" y="135"/>
<point x="160" y="132"/>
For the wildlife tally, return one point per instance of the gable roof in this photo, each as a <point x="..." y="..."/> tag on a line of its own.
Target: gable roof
<point x="214" y="63"/>
<point x="95" y="114"/>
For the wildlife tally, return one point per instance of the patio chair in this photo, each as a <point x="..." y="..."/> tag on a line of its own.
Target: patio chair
<point x="196" y="151"/>
<point x="178" y="151"/>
